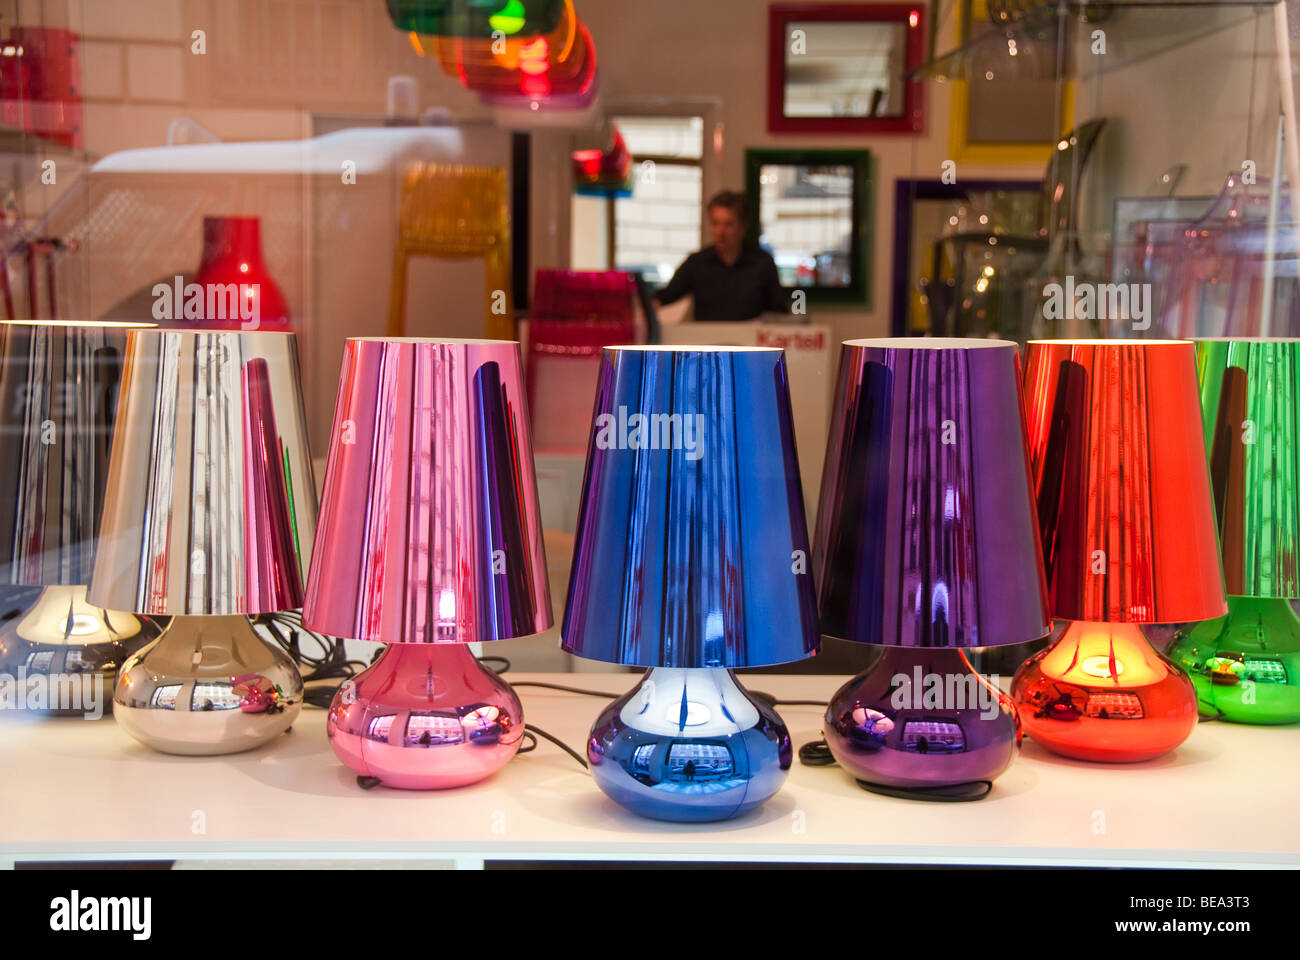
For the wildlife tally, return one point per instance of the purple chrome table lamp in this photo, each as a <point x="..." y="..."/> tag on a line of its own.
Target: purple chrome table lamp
<point x="429" y="539"/>
<point x="691" y="560"/>
<point x="927" y="544"/>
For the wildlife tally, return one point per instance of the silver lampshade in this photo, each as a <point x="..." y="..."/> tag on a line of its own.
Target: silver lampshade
<point x="58" y="397"/>
<point x="210" y="512"/>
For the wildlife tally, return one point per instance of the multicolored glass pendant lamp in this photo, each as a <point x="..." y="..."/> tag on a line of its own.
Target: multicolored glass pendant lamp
<point x="691" y="560"/>
<point x="927" y="545"/>
<point x="1127" y="519"/>
<point x="209" y="516"/>
<point x="1246" y="666"/>
<point x="58" y="405"/>
<point x="429" y="539"/>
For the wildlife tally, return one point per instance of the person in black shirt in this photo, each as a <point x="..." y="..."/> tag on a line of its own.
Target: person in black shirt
<point x="730" y="280"/>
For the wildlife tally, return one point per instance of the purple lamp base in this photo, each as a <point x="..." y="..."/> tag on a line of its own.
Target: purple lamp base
<point x="426" y="717"/>
<point x="921" y="719"/>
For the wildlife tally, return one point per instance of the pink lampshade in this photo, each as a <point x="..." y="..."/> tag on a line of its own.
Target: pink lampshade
<point x="429" y="529"/>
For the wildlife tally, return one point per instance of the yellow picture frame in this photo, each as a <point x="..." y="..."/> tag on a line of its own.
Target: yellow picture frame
<point x="962" y="150"/>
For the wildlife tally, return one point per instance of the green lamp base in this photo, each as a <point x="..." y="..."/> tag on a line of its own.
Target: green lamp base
<point x="1245" y="666"/>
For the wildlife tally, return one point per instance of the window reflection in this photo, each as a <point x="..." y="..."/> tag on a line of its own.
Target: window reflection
<point x="806" y="218"/>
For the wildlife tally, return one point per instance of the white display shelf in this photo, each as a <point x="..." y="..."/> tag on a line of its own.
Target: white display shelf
<point x="84" y="790"/>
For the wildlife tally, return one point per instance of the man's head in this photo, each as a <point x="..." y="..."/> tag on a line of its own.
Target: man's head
<point x="727" y="222"/>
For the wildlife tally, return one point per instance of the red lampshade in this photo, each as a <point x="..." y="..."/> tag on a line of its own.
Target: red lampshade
<point x="232" y="254"/>
<point x="1119" y="469"/>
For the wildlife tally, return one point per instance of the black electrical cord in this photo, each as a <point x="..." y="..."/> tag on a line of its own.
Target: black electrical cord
<point x="286" y="629"/>
<point x="816" y="754"/>
<point x="505" y="660"/>
<point x="557" y="686"/>
<point x="533" y="732"/>
<point x="799" y="703"/>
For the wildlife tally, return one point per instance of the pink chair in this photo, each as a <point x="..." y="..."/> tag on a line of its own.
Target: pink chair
<point x="574" y="314"/>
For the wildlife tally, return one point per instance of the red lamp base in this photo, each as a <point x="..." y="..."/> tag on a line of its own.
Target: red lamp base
<point x="1102" y="693"/>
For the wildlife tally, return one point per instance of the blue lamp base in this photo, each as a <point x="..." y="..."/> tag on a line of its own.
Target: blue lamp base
<point x="689" y="745"/>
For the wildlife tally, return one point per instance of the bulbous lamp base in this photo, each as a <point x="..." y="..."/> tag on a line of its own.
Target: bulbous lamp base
<point x="1245" y="666"/>
<point x="689" y="745"/>
<point x="63" y="653"/>
<point x="1102" y="693"/>
<point x="921" y="719"/>
<point x="426" y="716"/>
<point x="209" y="685"/>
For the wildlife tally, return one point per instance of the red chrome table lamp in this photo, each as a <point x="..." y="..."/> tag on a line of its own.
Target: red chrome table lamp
<point x="429" y="539"/>
<point x="1128" y="529"/>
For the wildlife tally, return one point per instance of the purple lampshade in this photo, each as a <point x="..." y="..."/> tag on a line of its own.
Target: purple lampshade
<point x="926" y="531"/>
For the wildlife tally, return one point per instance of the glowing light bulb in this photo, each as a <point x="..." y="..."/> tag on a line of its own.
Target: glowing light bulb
<point x="1100" y="667"/>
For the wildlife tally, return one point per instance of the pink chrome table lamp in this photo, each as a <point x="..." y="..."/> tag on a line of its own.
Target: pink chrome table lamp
<point x="429" y="539"/>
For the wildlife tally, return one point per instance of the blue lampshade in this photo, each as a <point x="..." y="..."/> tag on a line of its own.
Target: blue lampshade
<point x="692" y="546"/>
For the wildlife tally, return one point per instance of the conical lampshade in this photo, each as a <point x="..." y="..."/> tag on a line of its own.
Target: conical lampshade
<point x="211" y="506"/>
<point x="430" y="531"/>
<point x="1120" y="476"/>
<point x="926" y="534"/>
<point x="691" y="544"/>
<point x="58" y="400"/>
<point x="1250" y="398"/>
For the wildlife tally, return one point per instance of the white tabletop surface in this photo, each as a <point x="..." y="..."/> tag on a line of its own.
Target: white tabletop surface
<point x="76" y="789"/>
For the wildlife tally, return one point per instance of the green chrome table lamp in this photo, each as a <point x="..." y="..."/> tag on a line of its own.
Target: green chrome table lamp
<point x="1246" y="666"/>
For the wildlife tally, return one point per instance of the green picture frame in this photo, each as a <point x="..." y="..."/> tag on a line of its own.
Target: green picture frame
<point x="858" y="290"/>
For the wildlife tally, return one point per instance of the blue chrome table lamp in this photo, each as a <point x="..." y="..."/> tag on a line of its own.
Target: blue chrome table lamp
<point x="691" y="559"/>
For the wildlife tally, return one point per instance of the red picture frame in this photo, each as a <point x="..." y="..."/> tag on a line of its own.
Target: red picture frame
<point x="911" y="15"/>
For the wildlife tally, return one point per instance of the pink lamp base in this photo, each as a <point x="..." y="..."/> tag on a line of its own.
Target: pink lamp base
<point x="425" y="717"/>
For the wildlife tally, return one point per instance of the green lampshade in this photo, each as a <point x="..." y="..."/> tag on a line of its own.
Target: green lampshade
<point x="1249" y="394"/>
